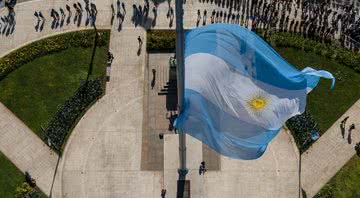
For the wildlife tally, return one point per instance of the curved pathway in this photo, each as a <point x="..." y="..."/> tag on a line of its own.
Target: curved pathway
<point x="18" y="143"/>
<point x="103" y="155"/>
<point x="25" y="33"/>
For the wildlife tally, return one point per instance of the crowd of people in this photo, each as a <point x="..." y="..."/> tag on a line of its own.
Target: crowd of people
<point x="140" y="14"/>
<point x="8" y="22"/>
<point x="59" y="17"/>
<point x="324" y="20"/>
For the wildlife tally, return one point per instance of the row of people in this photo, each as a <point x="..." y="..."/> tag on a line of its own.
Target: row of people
<point x="59" y="17"/>
<point x="324" y="20"/>
<point x="8" y="22"/>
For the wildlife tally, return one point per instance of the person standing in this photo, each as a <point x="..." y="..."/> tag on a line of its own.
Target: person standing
<point x="140" y="41"/>
<point x="342" y="126"/>
<point x="202" y="168"/>
<point x="163" y="193"/>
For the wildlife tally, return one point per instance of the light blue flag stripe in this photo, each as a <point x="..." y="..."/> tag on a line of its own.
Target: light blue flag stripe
<point x="239" y="91"/>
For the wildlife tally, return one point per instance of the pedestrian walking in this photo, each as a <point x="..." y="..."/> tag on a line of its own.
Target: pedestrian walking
<point x="140" y="45"/>
<point x="343" y="126"/>
<point x="163" y="193"/>
<point x="140" y="41"/>
<point x="202" y="168"/>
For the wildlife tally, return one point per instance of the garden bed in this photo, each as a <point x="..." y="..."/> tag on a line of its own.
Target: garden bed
<point x="43" y="82"/>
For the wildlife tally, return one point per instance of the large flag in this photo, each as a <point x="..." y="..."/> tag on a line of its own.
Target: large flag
<point x="238" y="91"/>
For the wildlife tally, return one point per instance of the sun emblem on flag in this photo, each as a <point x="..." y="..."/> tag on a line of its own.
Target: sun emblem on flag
<point x="258" y="102"/>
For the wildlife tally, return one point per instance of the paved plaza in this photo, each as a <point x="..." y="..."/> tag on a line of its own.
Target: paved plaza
<point x="26" y="150"/>
<point x="115" y="149"/>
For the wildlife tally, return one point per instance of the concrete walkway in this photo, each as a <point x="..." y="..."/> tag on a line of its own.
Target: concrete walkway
<point x="18" y="143"/>
<point x="103" y="155"/>
<point x="26" y="150"/>
<point x="329" y="154"/>
<point x="25" y="22"/>
<point x="275" y="174"/>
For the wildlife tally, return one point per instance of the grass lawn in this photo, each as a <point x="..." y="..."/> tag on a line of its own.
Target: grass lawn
<point x="345" y="184"/>
<point x="34" y="91"/>
<point x="324" y="104"/>
<point x="327" y="106"/>
<point x="10" y="178"/>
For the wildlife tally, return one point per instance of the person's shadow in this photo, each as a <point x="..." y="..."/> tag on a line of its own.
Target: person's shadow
<point x="62" y="21"/>
<point x="5" y="27"/>
<point x="37" y="26"/>
<point x="153" y="79"/>
<point x="140" y="47"/>
<point x="79" y="19"/>
<point x="68" y="20"/>
<point x="76" y="17"/>
<point x="171" y="22"/>
<point x="349" y="137"/>
<point x="12" y="27"/>
<point x="42" y="25"/>
<point x="53" y="23"/>
<point x="124" y="8"/>
<point x="121" y="20"/>
<point x="134" y="16"/>
<point x="38" y="21"/>
<point x="352" y="127"/>
<point x="87" y="21"/>
<point x="155" y="16"/>
<point x="112" y="14"/>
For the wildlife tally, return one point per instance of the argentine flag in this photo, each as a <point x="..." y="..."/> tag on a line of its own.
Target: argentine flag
<point x="238" y="91"/>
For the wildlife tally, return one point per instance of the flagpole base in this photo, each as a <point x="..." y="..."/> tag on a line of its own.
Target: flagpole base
<point x="181" y="183"/>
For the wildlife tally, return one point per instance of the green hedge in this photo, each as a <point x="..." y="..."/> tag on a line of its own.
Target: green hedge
<point x="67" y="116"/>
<point x="301" y="127"/>
<point x="332" y="51"/>
<point x="161" y="40"/>
<point x="50" y="45"/>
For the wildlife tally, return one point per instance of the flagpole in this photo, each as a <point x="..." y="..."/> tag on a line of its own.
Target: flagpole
<point x="180" y="87"/>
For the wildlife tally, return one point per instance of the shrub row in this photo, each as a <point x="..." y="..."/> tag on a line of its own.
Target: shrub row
<point x="332" y="51"/>
<point x="50" y="45"/>
<point x="68" y="114"/>
<point x="26" y="191"/>
<point x="161" y="40"/>
<point x="301" y="127"/>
